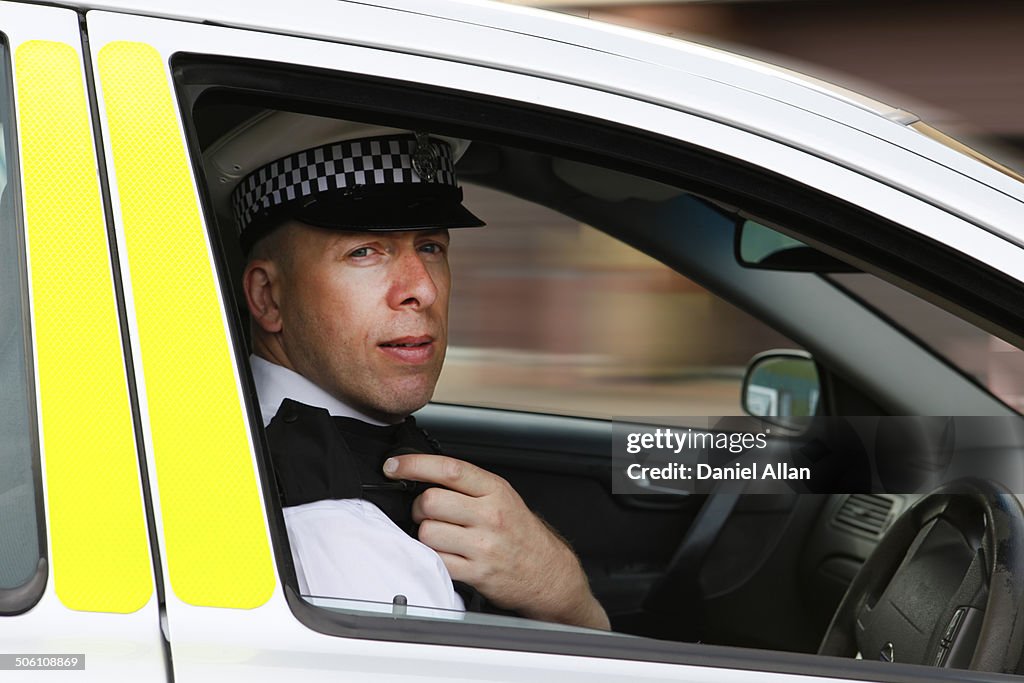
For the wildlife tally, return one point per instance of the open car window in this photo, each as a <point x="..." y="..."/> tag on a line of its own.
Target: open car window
<point x="606" y="285"/>
<point x="552" y="315"/>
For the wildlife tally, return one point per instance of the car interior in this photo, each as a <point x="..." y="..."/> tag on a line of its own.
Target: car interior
<point x="728" y="567"/>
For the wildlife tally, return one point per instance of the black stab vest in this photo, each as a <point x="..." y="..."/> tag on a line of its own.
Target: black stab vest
<point x="317" y="457"/>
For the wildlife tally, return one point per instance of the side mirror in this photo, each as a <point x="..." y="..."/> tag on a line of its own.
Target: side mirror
<point x="781" y="384"/>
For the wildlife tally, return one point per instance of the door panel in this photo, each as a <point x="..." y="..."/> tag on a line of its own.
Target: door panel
<point x="193" y="409"/>
<point x="216" y="634"/>
<point x="100" y="601"/>
<point x="211" y="638"/>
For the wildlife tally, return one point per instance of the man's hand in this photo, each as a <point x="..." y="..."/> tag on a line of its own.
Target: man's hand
<point x="488" y="538"/>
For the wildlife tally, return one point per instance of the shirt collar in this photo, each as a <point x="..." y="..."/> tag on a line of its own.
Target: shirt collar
<point x="275" y="383"/>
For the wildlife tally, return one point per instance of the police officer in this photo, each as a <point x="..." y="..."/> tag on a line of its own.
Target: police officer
<point x="347" y="283"/>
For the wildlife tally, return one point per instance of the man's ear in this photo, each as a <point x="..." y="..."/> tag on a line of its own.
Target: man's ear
<point x="261" y="282"/>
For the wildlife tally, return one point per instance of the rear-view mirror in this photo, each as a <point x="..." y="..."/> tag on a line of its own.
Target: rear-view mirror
<point x="761" y="247"/>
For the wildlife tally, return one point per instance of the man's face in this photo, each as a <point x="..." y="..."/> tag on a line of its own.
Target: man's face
<point x="365" y="315"/>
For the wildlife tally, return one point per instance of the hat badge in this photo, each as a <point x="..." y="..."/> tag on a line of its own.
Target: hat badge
<point x="425" y="158"/>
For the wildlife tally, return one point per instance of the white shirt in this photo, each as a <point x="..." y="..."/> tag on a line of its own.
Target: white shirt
<point x="349" y="548"/>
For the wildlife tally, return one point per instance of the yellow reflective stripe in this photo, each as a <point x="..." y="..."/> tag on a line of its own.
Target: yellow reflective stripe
<point x="101" y="559"/>
<point x="218" y="554"/>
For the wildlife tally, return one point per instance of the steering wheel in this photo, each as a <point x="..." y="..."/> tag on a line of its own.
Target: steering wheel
<point x="944" y="586"/>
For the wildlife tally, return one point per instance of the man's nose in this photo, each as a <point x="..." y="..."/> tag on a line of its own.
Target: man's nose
<point x="412" y="283"/>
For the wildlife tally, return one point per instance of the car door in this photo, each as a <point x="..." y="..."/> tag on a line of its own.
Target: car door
<point x="232" y="607"/>
<point x="78" y="588"/>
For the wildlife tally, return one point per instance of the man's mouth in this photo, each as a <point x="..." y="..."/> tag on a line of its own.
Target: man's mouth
<point x="408" y="342"/>
<point x="412" y="350"/>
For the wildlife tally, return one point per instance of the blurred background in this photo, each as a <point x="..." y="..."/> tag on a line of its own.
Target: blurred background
<point x="553" y="316"/>
<point x="958" y="65"/>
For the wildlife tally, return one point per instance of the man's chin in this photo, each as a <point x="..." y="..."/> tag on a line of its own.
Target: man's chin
<point x="401" y="402"/>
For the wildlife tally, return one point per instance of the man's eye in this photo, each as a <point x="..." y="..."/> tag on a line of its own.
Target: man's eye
<point x="432" y="248"/>
<point x="360" y="252"/>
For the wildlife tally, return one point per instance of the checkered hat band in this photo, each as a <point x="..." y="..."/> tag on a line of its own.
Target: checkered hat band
<point x="337" y="166"/>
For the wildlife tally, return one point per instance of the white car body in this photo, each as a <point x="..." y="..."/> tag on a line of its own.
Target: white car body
<point x="851" y="148"/>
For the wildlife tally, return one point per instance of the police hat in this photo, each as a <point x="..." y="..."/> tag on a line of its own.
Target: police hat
<point x="334" y="174"/>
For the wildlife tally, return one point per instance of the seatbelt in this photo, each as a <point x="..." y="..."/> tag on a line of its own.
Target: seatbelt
<point x="678" y="593"/>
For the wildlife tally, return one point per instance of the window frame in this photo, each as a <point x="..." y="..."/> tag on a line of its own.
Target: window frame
<point x="634" y="268"/>
<point x="810" y="214"/>
<point x="806" y="213"/>
<point x="825" y="222"/>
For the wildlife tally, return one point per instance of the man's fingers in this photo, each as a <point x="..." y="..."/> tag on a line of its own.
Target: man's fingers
<point x="445" y="506"/>
<point x="446" y="538"/>
<point x="457" y="475"/>
<point x="459" y="568"/>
